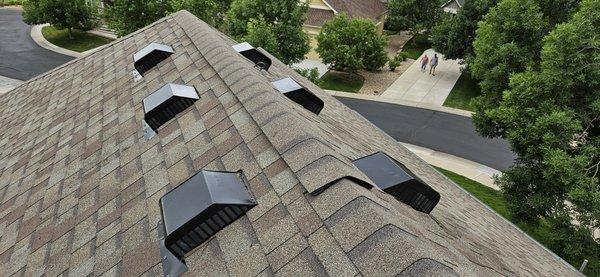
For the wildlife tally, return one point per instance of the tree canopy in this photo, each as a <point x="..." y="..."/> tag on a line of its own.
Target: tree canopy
<point x="413" y="15"/>
<point x="207" y="10"/>
<point x="550" y="114"/>
<point x="508" y="41"/>
<point x="260" y="34"/>
<point x="127" y="16"/>
<point x="351" y="44"/>
<point x="285" y="18"/>
<point x="62" y="14"/>
<point x="453" y="34"/>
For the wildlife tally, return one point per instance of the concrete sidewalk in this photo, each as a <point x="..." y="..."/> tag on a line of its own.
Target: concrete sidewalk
<point x="7" y="84"/>
<point x="472" y="170"/>
<point x="417" y="86"/>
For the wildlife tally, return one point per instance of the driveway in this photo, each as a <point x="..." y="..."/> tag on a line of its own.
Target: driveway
<point x="20" y="57"/>
<point x="439" y="131"/>
<point x="417" y="86"/>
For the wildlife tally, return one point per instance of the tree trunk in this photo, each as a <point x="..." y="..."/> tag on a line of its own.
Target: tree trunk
<point x="70" y="33"/>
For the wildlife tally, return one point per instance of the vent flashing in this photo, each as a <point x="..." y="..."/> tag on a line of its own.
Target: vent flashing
<point x="395" y="179"/>
<point x="259" y="59"/>
<point x="299" y="94"/>
<point x="165" y="103"/>
<point x="200" y="207"/>
<point x="150" y="56"/>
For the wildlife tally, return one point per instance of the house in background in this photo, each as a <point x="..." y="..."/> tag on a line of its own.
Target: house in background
<point x="321" y="11"/>
<point x="452" y="6"/>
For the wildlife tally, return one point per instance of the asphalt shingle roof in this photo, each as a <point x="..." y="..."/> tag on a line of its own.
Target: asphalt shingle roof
<point x="318" y="17"/>
<point x="371" y="9"/>
<point x="79" y="185"/>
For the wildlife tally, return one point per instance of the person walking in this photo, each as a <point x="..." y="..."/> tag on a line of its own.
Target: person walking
<point x="424" y="62"/>
<point x="433" y="64"/>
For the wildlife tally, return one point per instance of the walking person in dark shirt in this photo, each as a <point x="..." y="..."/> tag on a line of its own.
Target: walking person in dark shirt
<point x="433" y="64"/>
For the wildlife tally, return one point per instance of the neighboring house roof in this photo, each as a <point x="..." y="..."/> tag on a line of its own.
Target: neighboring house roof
<point x="318" y="17"/>
<point x="80" y="185"/>
<point x="453" y="5"/>
<point x="370" y="9"/>
<point x="460" y="3"/>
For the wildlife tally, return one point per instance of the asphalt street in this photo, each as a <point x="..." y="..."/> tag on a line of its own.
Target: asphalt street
<point x="20" y="57"/>
<point x="443" y="132"/>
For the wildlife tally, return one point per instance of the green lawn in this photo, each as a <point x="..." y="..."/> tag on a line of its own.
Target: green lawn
<point x="487" y="195"/>
<point x="416" y="46"/>
<point x="341" y="81"/>
<point x="81" y="41"/>
<point x="496" y="201"/>
<point x="464" y="91"/>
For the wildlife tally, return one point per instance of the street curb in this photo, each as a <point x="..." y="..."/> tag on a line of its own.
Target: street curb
<point x="36" y="35"/>
<point x="467" y="168"/>
<point x="401" y="102"/>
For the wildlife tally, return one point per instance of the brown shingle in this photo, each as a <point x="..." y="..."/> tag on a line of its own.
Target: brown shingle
<point x="318" y="17"/>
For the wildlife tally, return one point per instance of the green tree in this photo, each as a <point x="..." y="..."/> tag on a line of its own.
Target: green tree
<point x="508" y="41"/>
<point x="412" y="15"/>
<point x="351" y="44"/>
<point x="454" y="34"/>
<point x="260" y="34"/>
<point x="286" y="18"/>
<point x="208" y="11"/>
<point x="127" y="16"/>
<point x="558" y="11"/>
<point x="550" y="114"/>
<point x="62" y="14"/>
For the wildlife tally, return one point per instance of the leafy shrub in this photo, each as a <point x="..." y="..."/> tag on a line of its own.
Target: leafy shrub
<point x="351" y="44"/>
<point x="393" y="63"/>
<point x="310" y="74"/>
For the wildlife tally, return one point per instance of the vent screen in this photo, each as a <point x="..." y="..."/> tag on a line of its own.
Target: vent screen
<point x="200" y="207"/>
<point x="150" y="56"/>
<point x="395" y="179"/>
<point x="297" y="93"/>
<point x="259" y="59"/>
<point x="165" y="103"/>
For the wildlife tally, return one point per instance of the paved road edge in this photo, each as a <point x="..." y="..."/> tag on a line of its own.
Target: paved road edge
<point x="400" y="102"/>
<point x="36" y="35"/>
<point x="472" y="170"/>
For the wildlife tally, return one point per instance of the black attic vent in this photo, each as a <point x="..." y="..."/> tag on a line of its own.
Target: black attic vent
<point x="165" y="103"/>
<point x="201" y="206"/>
<point x="259" y="59"/>
<point x="150" y="56"/>
<point x="395" y="179"/>
<point x="297" y="93"/>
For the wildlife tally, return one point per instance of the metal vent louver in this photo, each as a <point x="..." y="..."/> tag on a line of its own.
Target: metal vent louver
<point x="200" y="207"/>
<point x="165" y="103"/>
<point x="150" y="56"/>
<point x="259" y="59"/>
<point x="297" y="93"/>
<point x="395" y="179"/>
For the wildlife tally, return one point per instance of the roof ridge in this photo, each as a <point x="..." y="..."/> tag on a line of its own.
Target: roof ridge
<point x="283" y="128"/>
